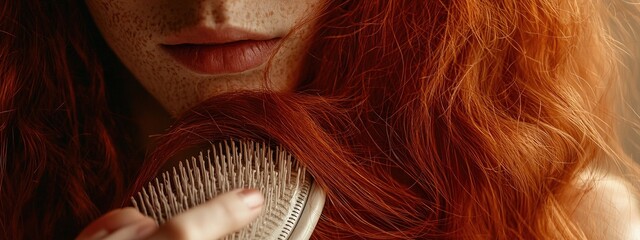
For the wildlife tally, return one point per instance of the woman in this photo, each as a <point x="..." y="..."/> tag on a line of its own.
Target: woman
<point x="420" y="119"/>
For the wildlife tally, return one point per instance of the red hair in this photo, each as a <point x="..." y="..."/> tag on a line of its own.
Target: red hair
<point x="436" y="120"/>
<point x="447" y="119"/>
<point x="59" y="164"/>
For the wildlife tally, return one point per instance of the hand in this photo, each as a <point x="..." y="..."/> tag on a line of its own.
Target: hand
<point x="214" y="219"/>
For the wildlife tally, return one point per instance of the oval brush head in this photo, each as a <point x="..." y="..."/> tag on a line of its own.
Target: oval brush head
<point x="293" y="202"/>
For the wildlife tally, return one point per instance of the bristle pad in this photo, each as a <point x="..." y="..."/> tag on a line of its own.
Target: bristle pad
<point x="226" y="166"/>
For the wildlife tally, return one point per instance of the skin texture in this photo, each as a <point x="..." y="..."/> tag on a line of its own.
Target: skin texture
<point x="135" y="31"/>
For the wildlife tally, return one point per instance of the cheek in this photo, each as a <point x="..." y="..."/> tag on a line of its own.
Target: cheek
<point x="129" y="28"/>
<point x="117" y="20"/>
<point x="134" y="30"/>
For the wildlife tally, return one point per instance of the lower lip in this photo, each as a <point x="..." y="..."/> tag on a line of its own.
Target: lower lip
<point x="231" y="57"/>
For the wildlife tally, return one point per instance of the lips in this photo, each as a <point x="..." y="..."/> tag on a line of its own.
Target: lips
<point x="219" y="51"/>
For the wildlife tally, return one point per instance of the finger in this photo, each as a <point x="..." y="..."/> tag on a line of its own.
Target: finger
<point x="110" y="222"/>
<point x="214" y="219"/>
<point x="138" y="230"/>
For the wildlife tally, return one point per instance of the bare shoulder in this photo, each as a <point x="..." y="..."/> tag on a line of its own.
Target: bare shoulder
<point x="605" y="207"/>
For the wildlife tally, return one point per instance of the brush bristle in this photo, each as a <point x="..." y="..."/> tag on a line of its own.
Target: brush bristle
<point x="226" y="166"/>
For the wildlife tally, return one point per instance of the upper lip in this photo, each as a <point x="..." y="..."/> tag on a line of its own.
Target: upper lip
<point x="207" y="35"/>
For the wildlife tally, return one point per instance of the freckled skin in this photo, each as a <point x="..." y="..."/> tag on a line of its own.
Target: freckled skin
<point x="135" y="29"/>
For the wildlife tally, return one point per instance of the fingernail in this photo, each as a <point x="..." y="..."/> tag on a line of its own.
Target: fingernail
<point x="99" y="235"/>
<point x="145" y="230"/>
<point x="252" y="198"/>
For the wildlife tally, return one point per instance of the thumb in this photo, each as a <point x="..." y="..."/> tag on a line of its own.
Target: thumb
<point x="214" y="219"/>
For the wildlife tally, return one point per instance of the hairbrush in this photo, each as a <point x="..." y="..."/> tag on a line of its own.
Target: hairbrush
<point x="293" y="202"/>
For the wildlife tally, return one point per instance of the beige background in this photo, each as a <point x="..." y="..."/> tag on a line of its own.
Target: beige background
<point x="630" y="133"/>
<point x="631" y="112"/>
<point x="630" y="130"/>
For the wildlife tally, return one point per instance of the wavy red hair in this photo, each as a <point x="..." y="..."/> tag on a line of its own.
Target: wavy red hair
<point x="420" y="119"/>
<point x="59" y="164"/>
<point x="456" y="119"/>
